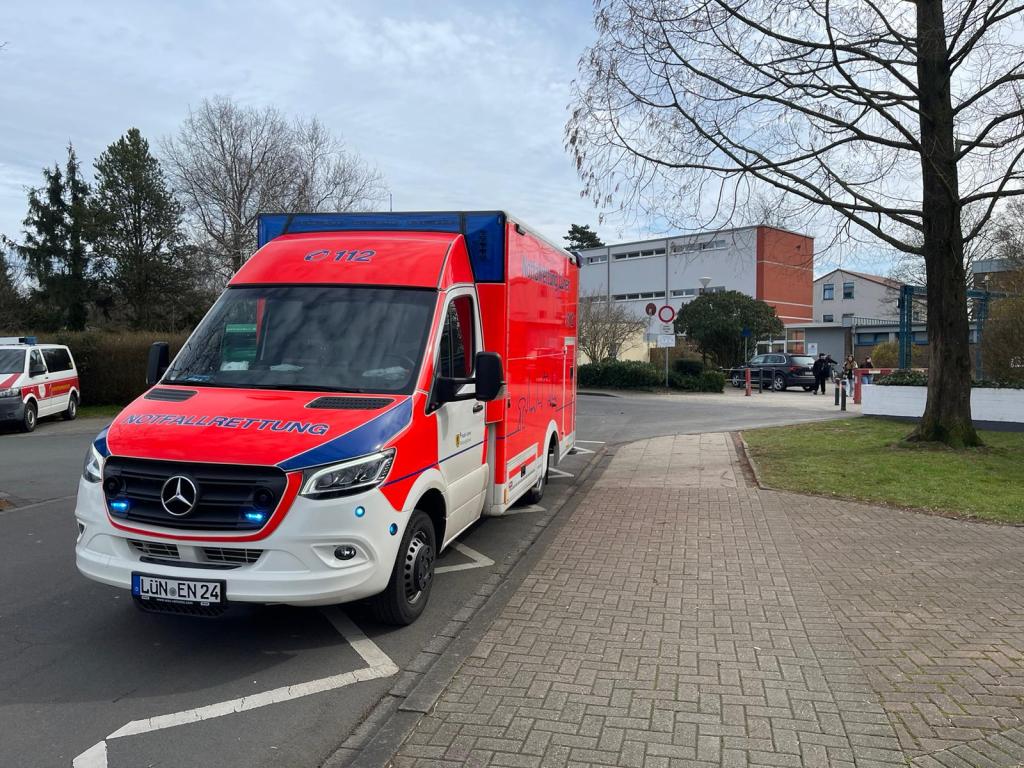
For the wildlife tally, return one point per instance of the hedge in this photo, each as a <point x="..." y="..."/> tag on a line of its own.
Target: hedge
<point x="620" y="374"/>
<point x="707" y="381"/>
<point x="903" y="378"/>
<point x="111" y="366"/>
<point x="631" y="374"/>
<point x="686" y="366"/>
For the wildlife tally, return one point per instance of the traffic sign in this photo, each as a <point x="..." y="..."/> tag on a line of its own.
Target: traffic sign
<point x="666" y="340"/>
<point x="650" y="309"/>
<point x="668" y="328"/>
<point x="746" y="333"/>
<point x="666" y="314"/>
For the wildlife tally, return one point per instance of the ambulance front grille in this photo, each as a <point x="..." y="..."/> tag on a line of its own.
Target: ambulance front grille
<point x="155" y="549"/>
<point x="232" y="556"/>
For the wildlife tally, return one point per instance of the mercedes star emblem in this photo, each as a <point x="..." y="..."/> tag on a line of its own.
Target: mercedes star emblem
<point x="179" y="496"/>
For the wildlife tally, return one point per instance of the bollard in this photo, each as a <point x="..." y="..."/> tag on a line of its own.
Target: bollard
<point x="857" y="374"/>
<point x="837" y="392"/>
<point x="760" y="381"/>
<point x="748" y="382"/>
<point x="842" y="398"/>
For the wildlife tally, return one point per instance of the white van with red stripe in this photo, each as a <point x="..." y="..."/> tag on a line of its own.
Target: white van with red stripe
<point x="36" y="380"/>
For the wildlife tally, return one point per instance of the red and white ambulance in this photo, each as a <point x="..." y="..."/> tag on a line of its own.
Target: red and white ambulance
<point x="36" y="380"/>
<point x="364" y="390"/>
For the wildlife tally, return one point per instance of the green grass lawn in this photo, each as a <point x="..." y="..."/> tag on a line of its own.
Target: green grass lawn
<point x="867" y="459"/>
<point x="95" y="411"/>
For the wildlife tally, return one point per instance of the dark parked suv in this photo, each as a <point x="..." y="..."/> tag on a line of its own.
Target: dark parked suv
<point x="778" y="370"/>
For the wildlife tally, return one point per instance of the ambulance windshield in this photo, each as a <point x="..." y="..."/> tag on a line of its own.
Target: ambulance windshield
<point x="12" y="361"/>
<point x="309" y="337"/>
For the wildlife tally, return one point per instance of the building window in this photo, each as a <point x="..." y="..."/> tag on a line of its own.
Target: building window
<point x="639" y="254"/>
<point x="847" y="290"/>
<point x="828" y="292"/>
<point x="684" y="292"/>
<point x="596" y="259"/>
<point x="828" y="318"/>
<point x="716" y="289"/>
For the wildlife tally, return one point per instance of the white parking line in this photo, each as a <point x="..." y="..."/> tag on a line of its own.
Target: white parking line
<point x="378" y="665"/>
<point x="479" y="560"/>
<point x="552" y="472"/>
<point x="591" y="442"/>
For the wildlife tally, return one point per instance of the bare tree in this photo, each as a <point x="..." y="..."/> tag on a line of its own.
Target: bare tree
<point x="606" y="329"/>
<point x="229" y="163"/>
<point x="895" y="118"/>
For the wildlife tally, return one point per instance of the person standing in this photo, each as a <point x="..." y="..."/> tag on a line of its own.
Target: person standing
<point x="820" y="370"/>
<point x="867" y="365"/>
<point x="849" y="371"/>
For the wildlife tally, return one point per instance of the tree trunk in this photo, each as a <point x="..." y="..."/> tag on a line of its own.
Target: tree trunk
<point x="947" y="415"/>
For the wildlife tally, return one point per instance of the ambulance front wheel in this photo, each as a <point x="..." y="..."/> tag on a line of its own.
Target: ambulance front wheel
<point x="29" y="418"/>
<point x="72" y="410"/>
<point x="412" y="576"/>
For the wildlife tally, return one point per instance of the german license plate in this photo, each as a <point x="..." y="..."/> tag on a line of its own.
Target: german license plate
<point x="191" y="591"/>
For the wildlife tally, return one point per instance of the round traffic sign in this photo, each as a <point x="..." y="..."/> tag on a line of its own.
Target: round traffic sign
<point x="666" y="314"/>
<point x="650" y="309"/>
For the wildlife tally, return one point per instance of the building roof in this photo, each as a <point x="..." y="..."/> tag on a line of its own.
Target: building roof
<point x="888" y="282"/>
<point x="702" y="233"/>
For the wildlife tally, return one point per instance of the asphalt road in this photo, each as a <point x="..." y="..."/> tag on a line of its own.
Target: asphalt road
<point x="85" y="675"/>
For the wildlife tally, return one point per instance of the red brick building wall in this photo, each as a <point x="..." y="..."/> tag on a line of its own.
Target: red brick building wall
<point x="785" y="274"/>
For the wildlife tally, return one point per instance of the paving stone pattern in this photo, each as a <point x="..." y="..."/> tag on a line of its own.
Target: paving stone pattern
<point x="685" y="618"/>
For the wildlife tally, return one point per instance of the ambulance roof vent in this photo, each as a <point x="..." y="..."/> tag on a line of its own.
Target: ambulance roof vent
<point x="170" y="395"/>
<point x="351" y="403"/>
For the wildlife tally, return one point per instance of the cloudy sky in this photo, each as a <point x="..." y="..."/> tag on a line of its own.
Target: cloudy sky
<point x="459" y="105"/>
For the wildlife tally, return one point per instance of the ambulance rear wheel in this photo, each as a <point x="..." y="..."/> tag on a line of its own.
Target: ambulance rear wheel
<point x="72" y="410"/>
<point x="412" y="576"/>
<point x="29" y="418"/>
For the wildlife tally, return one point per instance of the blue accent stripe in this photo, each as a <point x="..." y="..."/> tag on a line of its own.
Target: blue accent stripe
<point x="100" y="443"/>
<point x="364" y="439"/>
<point x="421" y="470"/>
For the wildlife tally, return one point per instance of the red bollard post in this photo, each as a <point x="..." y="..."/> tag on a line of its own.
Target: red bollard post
<point x="856" y="384"/>
<point x="747" y="374"/>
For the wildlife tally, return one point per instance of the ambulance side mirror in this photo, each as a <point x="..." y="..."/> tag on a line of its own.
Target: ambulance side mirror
<point x="489" y="376"/>
<point x="159" y="359"/>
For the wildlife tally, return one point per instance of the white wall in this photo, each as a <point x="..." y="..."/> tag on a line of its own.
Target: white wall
<point x="986" y="404"/>
<point x="870" y="299"/>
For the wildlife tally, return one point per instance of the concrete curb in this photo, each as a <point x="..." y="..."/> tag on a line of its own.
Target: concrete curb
<point x="749" y="460"/>
<point x="378" y="738"/>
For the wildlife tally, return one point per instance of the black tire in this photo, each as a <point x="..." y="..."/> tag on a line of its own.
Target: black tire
<point x="808" y="389"/>
<point x="412" y="577"/>
<point x="30" y="418"/>
<point x="71" y="412"/>
<point x="536" y="493"/>
<point x="737" y="381"/>
<point x="779" y="383"/>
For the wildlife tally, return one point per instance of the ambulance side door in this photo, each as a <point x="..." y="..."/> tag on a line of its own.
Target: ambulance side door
<point x="460" y="423"/>
<point x="38" y="380"/>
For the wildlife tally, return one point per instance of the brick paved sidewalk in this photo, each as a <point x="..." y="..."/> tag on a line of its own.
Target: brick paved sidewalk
<point x="685" y="618"/>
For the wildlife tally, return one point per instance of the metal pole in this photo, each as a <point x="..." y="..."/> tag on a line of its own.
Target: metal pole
<point x="747" y="375"/>
<point x="842" y="397"/>
<point x="666" y="367"/>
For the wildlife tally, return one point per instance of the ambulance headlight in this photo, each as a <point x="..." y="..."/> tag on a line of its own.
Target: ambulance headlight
<point x="347" y="477"/>
<point x="12" y="392"/>
<point x="92" y="470"/>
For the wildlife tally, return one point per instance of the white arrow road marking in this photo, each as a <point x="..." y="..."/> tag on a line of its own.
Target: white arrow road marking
<point x="378" y="665"/>
<point x="552" y="472"/>
<point x="577" y="451"/>
<point x="479" y="560"/>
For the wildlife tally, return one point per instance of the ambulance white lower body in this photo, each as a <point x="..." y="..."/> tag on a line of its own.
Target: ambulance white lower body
<point x="323" y="552"/>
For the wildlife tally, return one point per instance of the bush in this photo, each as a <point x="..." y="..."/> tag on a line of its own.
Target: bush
<point x="686" y="366"/>
<point x="619" y="374"/>
<point x="903" y="378"/>
<point x="1002" y="341"/>
<point x="887" y="355"/>
<point x="111" y="366"/>
<point x="706" y="381"/>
